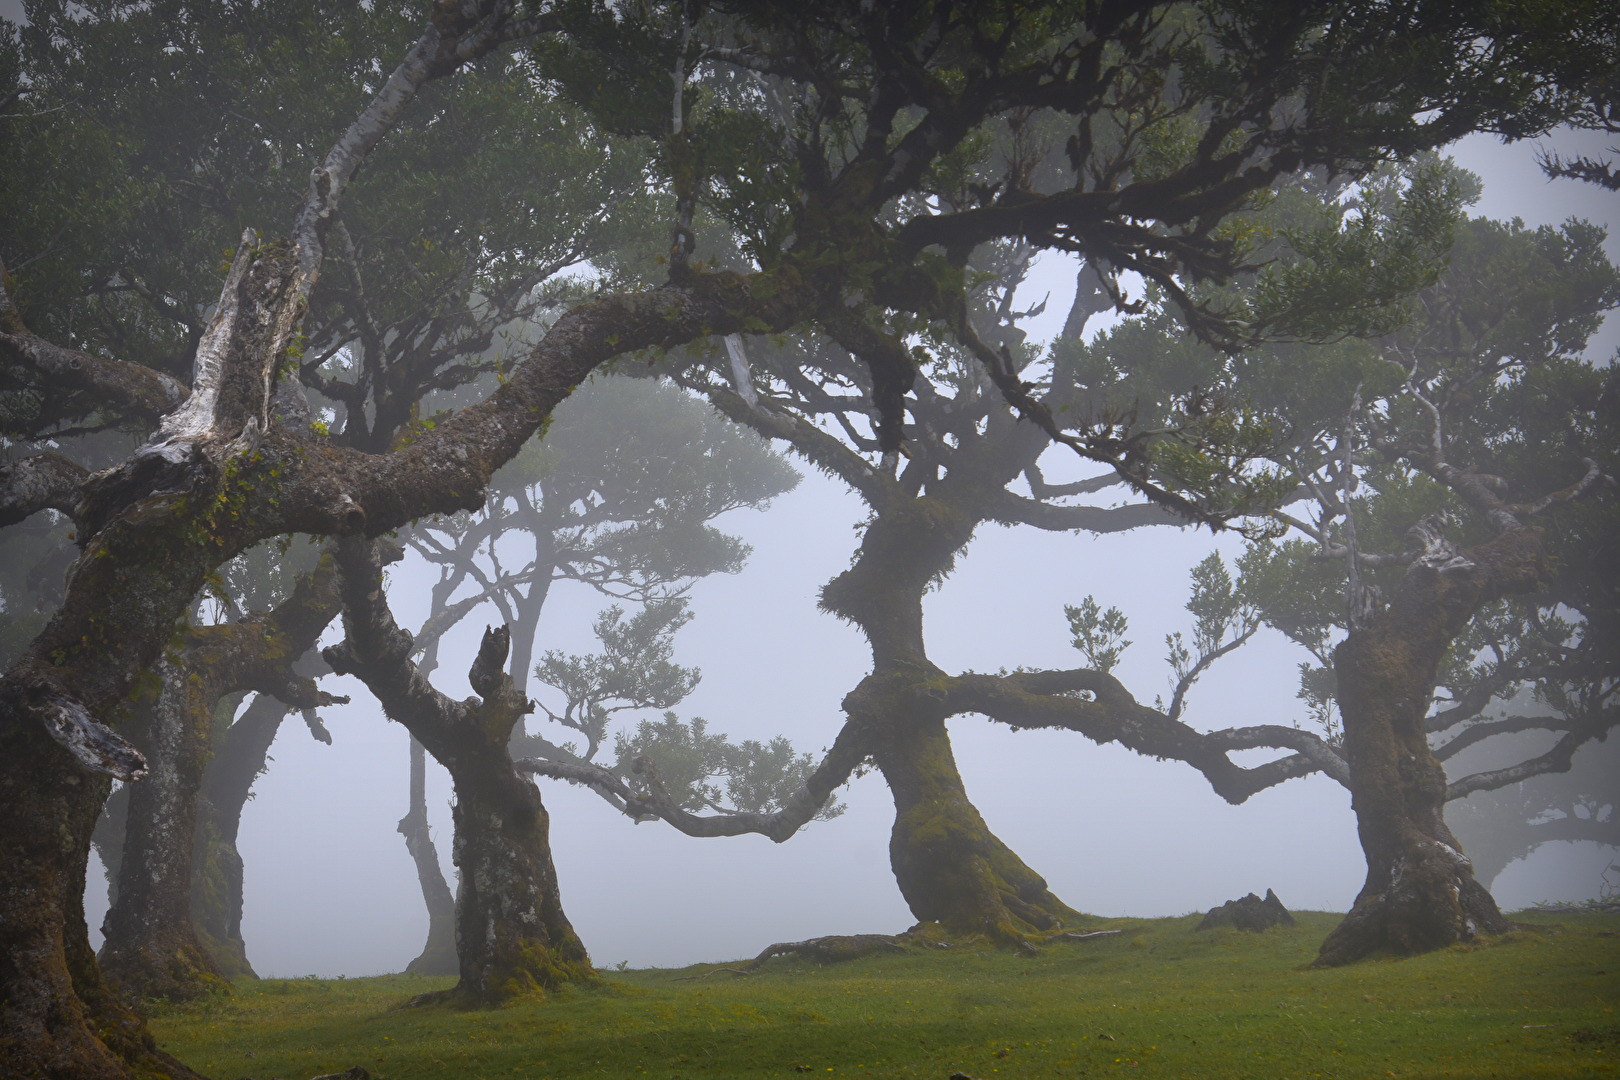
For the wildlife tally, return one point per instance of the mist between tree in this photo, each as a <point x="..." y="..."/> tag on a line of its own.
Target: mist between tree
<point x="685" y="476"/>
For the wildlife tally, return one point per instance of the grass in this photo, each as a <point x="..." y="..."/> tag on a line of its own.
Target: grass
<point x="1157" y="1000"/>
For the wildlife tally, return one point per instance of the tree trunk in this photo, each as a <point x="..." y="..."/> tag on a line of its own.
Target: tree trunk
<point x="512" y="937"/>
<point x="438" y="956"/>
<point x="1420" y="892"/>
<point x="58" y="1018"/>
<point x="950" y="867"/>
<point x="151" y="948"/>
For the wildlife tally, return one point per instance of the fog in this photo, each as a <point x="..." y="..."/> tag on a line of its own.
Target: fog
<point x="331" y="891"/>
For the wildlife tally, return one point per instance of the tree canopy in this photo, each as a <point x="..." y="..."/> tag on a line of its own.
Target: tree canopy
<point x="826" y="171"/>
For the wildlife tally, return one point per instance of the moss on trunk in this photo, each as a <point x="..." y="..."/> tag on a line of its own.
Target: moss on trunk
<point x="1420" y="892"/>
<point x="151" y="949"/>
<point x="951" y="869"/>
<point x="513" y="938"/>
<point x="58" y="1018"/>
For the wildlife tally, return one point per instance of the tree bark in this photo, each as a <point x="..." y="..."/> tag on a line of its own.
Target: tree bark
<point x="950" y="867"/>
<point x="151" y="949"/>
<point x="217" y="879"/>
<point x="59" y="1019"/>
<point x="1420" y="892"/>
<point x="512" y="937"/>
<point x="438" y="956"/>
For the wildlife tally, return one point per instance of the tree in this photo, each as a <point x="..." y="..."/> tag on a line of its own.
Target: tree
<point x="878" y="99"/>
<point x="1489" y="401"/>
<point x="424" y="297"/>
<point x="151" y="947"/>
<point x="1480" y="393"/>
<point x="1498" y="826"/>
<point x="963" y="455"/>
<point x="175" y="904"/>
<point x="618" y="497"/>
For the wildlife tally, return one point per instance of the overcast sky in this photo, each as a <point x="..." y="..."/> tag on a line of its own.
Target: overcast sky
<point x="330" y="889"/>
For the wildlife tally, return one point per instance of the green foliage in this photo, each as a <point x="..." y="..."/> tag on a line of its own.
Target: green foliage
<point x="1354" y="275"/>
<point x="1216" y="605"/>
<point x="154" y="133"/>
<point x="1159" y="997"/>
<point x="1098" y="634"/>
<point x="710" y="772"/>
<point x="634" y="672"/>
<point x="628" y="477"/>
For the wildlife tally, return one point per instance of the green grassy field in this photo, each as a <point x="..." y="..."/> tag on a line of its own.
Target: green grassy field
<point x="1157" y="1000"/>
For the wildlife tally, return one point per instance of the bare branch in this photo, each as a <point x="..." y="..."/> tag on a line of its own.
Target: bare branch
<point x="1556" y="760"/>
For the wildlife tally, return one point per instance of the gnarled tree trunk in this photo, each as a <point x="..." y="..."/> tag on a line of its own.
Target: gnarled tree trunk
<point x="949" y="866"/>
<point x="512" y="938"/>
<point x="1420" y="891"/>
<point x="152" y="948"/>
<point x="58" y="1018"/>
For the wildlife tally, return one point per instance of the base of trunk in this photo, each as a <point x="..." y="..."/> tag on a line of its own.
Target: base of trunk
<point x="58" y="1018"/>
<point x="1430" y="901"/>
<point x="512" y="938"/>
<point x="171" y="967"/>
<point x="438" y="955"/>
<point x="216" y="904"/>
<point x="950" y="867"/>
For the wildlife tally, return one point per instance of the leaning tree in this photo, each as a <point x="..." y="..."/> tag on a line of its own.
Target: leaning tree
<point x="191" y="106"/>
<point x="829" y="114"/>
<point x="968" y="461"/>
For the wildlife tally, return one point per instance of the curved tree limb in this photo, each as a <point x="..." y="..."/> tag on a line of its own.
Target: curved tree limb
<point x="1098" y="706"/>
<point x="1018" y="510"/>
<point x="1556" y="760"/>
<point x="85" y="383"/>
<point x="45" y="481"/>
<point x="653" y="801"/>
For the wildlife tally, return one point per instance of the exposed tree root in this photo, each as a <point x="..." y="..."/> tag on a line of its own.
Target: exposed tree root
<point x="838" y="948"/>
